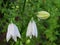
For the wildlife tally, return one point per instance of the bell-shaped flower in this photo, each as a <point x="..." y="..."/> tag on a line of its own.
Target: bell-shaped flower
<point x="12" y="32"/>
<point x="31" y="29"/>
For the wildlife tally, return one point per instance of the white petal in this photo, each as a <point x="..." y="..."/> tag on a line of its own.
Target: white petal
<point x="8" y="36"/>
<point x="29" y="30"/>
<point x="11" y="28"/>
<point x="14" y="38"/>
<point x="17" y="31"/>
<point x="9" y="32"/>
<point x="34" y="32"/>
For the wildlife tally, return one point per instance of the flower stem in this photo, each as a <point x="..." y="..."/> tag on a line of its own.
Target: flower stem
<point x="24" y="6"/>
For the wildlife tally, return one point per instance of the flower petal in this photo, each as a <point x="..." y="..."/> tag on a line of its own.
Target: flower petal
<point x="14" y="38"/>
<point x="8" y="36"/>
<point x="29" y="30"/>
<point x="17" y="31"/>
<point x="34" y="32"/>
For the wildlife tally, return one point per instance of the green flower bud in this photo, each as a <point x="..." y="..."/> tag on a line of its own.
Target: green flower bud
<point x="17" y="6"/>
<point x="43" y="15"/>
<point x="28" y="41"/>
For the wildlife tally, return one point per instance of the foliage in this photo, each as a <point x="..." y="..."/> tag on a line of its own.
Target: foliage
<point x="21" y="12"/>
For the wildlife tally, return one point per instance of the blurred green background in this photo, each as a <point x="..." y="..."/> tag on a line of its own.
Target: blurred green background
<point x="21" y="12"/>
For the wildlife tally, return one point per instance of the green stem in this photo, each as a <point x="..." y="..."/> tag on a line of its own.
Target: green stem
<point x="24" y="6"/>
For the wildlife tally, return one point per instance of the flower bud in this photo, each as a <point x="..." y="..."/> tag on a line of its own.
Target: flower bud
<point x="43" y="15"/>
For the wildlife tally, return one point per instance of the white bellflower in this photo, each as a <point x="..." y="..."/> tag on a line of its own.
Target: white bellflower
<point x="31" y="29"/>
<point x="12" y="32"/>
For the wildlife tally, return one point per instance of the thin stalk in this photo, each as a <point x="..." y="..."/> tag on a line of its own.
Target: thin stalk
<point x="24" y="6"/>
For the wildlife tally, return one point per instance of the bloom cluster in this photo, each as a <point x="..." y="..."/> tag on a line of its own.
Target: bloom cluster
<point x="13" y="31"/>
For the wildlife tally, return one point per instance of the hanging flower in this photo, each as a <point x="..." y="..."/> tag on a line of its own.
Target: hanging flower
<point x="31" y="29"/>
<point x="43" y="15"/>
<point x="12" y="32"/>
